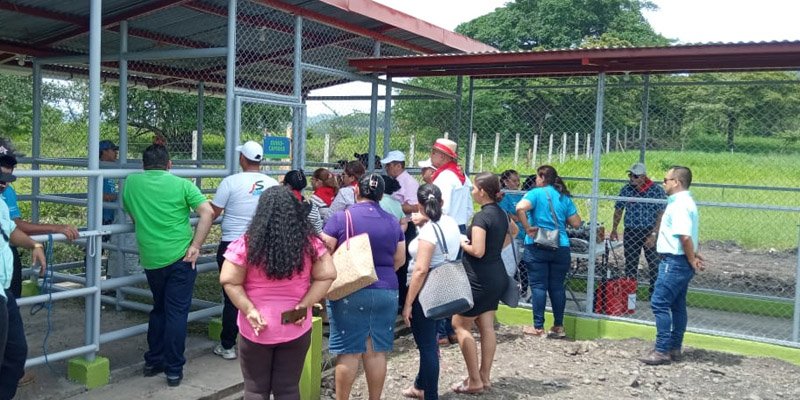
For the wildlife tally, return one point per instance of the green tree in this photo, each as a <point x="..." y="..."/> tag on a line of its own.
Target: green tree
<point x="538" y="24"/>
<point x="174" y="115"/>
<point x="549" y="24"/>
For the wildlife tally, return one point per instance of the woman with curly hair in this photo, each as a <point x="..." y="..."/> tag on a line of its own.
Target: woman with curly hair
<point x="362" y="323"/>
<point x="269" y="270"/>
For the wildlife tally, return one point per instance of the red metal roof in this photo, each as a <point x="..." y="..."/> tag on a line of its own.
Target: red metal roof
<point x="682" y="58"/>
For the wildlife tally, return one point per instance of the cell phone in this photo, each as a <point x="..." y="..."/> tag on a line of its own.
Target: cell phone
<point x="292" y="316"/>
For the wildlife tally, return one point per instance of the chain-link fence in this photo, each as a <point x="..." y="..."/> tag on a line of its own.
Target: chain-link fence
<point x="738" y="132"/>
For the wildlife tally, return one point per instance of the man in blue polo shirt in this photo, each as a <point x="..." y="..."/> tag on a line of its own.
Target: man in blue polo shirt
<point x="677" y="244"/>
<point x="641" y="222"/>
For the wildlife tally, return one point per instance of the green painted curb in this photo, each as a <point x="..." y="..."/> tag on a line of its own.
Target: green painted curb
<point x="91" y="374"/>
<point x="215" y="329"/>
<point x="584" y="328"/>
<point x="311" y="378"/>
<point x="30" y="288"/>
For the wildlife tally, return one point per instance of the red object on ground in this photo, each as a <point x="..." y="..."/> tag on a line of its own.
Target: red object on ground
<point x="615" y="296"/>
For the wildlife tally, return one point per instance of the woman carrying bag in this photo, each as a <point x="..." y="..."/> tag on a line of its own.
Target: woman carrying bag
<point x="362" y="323"/>
<point x="546" y="255"/>
<point x="427" y="254"/>
<point x="488" y="279"/>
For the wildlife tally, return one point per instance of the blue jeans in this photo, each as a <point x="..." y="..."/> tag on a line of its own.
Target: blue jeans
<point x="14" y="349"/>
<point x="547" y="270"/>
<point x="424" y="331"/>
<point x="172" y="288"/>
<point x="669" y="301"/>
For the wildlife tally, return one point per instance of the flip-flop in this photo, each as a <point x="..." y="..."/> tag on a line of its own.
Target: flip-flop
<point x="461" y="388"/>
<point x="413" y="393"/>
<point x="531" y="331"/>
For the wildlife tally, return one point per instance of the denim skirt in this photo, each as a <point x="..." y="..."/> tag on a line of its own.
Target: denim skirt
<point x="365" y="313"/>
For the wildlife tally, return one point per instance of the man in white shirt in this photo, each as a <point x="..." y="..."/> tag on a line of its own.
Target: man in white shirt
<point x="453" y="183"/>
<point x="677" y="243"/>
<point x="237" y="196"/>
<point x="395" y="166"/>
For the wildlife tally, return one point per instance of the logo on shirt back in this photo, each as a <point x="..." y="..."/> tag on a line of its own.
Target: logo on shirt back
<point x="257" y="188"/>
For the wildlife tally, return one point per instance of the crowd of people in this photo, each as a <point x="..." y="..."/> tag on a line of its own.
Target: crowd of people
<point x="276" y="265"/>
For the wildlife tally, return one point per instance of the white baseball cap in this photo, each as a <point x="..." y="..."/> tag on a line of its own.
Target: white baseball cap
<point x="251" y="150"/>
<point x="394" y="156"/>
<point x="425" y="164"/>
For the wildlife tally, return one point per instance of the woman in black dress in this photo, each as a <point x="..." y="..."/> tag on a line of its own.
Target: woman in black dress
<point x="487" y="277"/>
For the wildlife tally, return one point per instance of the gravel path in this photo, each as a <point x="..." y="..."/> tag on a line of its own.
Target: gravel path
<point x="531" y="368"/>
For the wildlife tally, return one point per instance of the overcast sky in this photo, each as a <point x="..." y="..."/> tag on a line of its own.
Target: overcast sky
<point x="688" y="21"/>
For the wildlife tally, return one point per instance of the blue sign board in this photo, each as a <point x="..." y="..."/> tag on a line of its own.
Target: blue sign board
<point x="277" y="147"/>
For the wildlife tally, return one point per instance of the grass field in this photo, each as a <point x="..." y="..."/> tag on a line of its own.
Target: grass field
<point x="763" y="163"/>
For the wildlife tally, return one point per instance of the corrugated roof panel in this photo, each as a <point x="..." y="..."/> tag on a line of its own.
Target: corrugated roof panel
<point x="27" y="29"/>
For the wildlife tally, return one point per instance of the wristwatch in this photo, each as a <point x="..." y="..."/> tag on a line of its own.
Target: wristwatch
<point x="38" y="246"/>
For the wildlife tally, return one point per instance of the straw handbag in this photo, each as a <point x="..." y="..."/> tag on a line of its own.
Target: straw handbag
<point x="355" y="268"/>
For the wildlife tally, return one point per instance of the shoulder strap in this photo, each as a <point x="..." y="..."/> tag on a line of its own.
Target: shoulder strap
<point x="348" y="227"/>
<point x="440" y="238"/>
<point x="552" y="209"/>
<point x="513" y="245"/>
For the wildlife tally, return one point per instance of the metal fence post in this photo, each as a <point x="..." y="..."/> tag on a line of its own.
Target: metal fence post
<point x="387" y="117"/>
<point x="230" y="87"/>
<point x="796" y="316"/>
<point x="92" y="319"/>
<point x="36" y="144"/>
<point x="470" y="144"/>
<point x="645" y="117"/>
<point x="373" y="115"/>
<point x="598" y="134"/>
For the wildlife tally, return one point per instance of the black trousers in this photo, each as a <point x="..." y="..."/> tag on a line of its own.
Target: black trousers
<point x="16" y="276"/>
<point x="633" y="242"/>
<point x="229" y="312"/>
<point x="402" y="272"/>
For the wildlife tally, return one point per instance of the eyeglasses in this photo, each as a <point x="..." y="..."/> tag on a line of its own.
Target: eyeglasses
<point x="669" y="179"/>
<point x="634" y="176"/>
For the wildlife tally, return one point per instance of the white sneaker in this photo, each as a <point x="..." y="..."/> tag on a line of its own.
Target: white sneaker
<point x="228" y="354"/>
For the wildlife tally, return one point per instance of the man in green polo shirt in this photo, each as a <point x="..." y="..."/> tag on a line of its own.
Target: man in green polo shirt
<point x="159" y="204"/>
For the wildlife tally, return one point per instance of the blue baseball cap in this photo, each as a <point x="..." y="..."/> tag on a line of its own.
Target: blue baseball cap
<point x="107" y="144"/>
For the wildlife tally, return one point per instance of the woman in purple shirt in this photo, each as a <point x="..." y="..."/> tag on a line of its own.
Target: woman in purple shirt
<point x="362" y="324"/>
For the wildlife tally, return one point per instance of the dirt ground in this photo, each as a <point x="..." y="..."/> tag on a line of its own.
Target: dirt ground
<point x="529" y="368"/>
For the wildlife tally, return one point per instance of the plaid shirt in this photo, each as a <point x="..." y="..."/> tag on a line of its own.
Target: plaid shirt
<point x="641" y="215"/>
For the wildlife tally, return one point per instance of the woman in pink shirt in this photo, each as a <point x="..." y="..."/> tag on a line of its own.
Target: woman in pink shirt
<point x="269" y="272"/>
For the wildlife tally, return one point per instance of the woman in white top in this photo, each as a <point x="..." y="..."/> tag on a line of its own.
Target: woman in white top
<point x="427" y="254"/>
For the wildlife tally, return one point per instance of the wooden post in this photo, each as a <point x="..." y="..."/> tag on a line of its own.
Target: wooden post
<point x="326" y="151"/>
<point x="516" y="149"/>
<point x="563" y="148"/>
<point x="481" y="164"/>
<point x="608" y="142"/>
<point x="472" y="151"/>
<point x="535" y="150"/>
<point x="550" y="150"/>
<point x="588" y="145"/>
<point x="577" y="144"/>
<point x="411" y="144"/>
